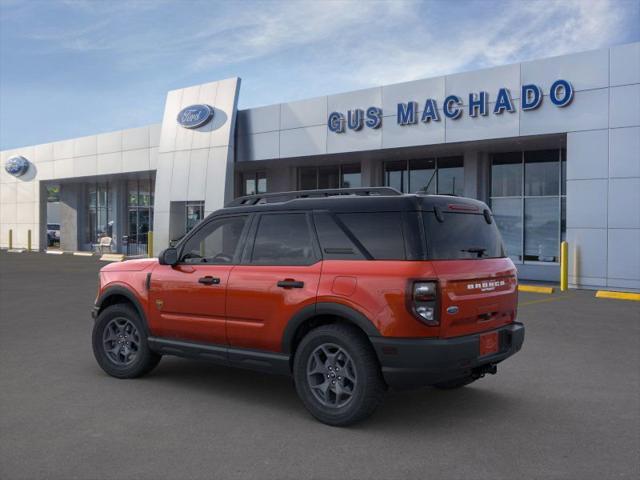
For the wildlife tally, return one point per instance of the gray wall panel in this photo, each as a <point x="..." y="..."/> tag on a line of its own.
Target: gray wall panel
<point x="303" y="113"/>
<point x="587" y="203"/>
<point x="624" y="254"/>
<point x="587" y="154"/>
<point x="624" y="203"/>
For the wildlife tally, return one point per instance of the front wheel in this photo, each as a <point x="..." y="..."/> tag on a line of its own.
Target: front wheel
<point x="337" y="375"/>
<point x="120" y="343"/>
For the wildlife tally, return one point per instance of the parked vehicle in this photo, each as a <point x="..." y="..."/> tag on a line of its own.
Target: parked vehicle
<point x="53" y="234"/>
<point x="349" y="291"/>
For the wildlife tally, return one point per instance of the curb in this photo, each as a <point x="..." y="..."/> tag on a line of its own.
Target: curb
<point x="635" y="297"/>
<point x="535" y="289"/>
<point x="112" y="257"/>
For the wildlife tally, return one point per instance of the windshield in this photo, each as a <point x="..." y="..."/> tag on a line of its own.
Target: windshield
<point x="53" y="226"/>
<point x="462" y="236"/>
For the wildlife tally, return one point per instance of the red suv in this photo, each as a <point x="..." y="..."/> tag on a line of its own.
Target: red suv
<point x="349" y="291"/>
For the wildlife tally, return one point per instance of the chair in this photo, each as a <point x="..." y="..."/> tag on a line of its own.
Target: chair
<point x="103" y="242"/>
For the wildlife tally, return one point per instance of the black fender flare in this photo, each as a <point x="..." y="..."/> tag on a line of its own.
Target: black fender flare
<point x="325" y="308"/>
<point x="124" y="292"/>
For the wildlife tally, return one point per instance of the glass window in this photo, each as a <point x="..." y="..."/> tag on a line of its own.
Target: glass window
<point x="329" y="177"/>
<point x="351" y="176"/>
<point x="395" y="175"/>
<point x="140" y="215"/>
<point x="283" y="239"/>
<point x="507" y="213"/>
<point x="462" y="236"/>
<point x="194" y="213"/>
<point x="451" y="176"/>
<point x="254" y="183"/>
<point x="99" y="212"/>
<point x="379" y="233"/>
<point x="541" y="173"/>
<point x="563" y="171"/>
<point x="215" y="243"/>
<point x="308" y="178"/>
<point x="506" y="174"/>
<point x="132" y="193"/>
<point x="541" y="227"/>
<point x="334" y="242"/>
<point x="421" y="173"/>
<point x="53" y="193"/>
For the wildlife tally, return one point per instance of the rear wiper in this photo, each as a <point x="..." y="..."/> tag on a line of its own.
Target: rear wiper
<point x="478" y="250"/>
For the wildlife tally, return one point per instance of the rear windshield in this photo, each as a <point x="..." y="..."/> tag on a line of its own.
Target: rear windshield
<point x="462" y="236"/>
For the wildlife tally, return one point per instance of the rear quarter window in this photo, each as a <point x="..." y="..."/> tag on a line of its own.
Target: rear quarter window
<point x="380" y="233"/>
<point x="462" y="236"/>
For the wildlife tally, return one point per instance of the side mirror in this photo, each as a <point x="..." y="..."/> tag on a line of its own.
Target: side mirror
<point x="168" y="256"/>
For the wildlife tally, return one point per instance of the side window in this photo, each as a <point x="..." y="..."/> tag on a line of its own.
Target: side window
<point x="380" y="233"/>
<point x="283" y="239"/>
<point x="334" y="242"/>
<point x="216" y="243"/>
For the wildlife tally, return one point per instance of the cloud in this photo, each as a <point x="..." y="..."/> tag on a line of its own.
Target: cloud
<point x="517" y="31"/>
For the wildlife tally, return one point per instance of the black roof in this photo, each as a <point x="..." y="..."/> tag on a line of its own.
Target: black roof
<point x="375" y="199"/>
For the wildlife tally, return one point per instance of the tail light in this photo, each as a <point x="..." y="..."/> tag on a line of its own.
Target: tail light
<point x="424" y="300"/>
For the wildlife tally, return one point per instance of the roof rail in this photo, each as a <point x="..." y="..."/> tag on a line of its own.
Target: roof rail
<point x="279" y="197"/>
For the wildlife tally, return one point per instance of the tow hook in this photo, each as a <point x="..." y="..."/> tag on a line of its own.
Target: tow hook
<point x="481" y="371"/>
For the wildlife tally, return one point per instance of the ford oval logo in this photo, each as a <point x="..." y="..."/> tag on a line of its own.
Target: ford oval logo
<point x="16" y="166"/>
<point x="195" y="116"/>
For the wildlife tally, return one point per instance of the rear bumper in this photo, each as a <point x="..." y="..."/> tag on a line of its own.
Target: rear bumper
<point x="410" y="363"/>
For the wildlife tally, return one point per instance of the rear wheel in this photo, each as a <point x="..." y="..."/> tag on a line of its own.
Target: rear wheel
<point x="337" y="375"/>
<point x="120" y="343"/>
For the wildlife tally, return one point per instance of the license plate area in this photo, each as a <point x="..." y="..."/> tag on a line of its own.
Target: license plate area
<point x="489" y="344"/>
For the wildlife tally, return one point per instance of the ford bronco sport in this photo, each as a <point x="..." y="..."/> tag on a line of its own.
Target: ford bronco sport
<point x="349" y="291"/>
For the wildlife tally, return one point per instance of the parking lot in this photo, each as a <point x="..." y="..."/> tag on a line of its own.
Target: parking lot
<point x="567" y="406"/>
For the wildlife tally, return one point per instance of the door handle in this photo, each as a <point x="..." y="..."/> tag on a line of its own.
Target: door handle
<point x="290" y="284"/>
<point x="209" y="280"/>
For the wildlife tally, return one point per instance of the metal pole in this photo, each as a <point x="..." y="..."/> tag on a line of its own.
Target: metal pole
<point x="150" y="244"/>
<point x="10" y="239"/>
<point x="564" y="266"/>
<point x="29" y="240"/>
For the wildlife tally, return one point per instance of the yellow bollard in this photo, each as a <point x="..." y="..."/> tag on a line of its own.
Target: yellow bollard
<point x="564" y="266"/>
<point x="29" y="240"/>
<point x="10" y="239"/>
<point x="150" y="244"/>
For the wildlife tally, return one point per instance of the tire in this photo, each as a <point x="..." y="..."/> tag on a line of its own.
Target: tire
<point x="120" y="327"/>
<point x="359" y="387"/>
<point x="453" y="384"/>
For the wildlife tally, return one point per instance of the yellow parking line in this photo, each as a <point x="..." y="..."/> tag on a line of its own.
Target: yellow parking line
<point x="535" y="289"/>
<point x="618" y="295"/>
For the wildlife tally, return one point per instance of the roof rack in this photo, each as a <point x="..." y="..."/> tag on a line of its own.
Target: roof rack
<point x="279" y="197"/>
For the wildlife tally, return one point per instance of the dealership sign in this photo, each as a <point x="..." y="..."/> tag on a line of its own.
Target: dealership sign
<point x="560" y="94"/>
<point x="16" y="166"/>
<point x="195" y="116"/>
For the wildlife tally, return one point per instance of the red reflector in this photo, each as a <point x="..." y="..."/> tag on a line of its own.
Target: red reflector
<point x="462" y="207"/>
<point x="488" y="343"/>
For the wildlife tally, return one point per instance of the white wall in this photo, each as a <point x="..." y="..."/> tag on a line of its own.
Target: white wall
<point x="195" y="164"/>
<point x="123" y="151"/>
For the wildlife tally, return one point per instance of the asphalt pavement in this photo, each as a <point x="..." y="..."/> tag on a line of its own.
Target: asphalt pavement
<point x="567" y="406"/>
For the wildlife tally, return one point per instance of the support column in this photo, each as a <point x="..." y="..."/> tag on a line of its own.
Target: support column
<point x="69" y="212"/>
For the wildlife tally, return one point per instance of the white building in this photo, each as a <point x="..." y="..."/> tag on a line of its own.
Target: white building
<point x="553" y="146"/>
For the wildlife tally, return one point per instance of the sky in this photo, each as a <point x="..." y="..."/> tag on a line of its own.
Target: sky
<point x="70" y="68"/>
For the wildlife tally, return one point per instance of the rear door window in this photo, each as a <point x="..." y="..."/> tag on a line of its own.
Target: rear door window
<point x="462" y="236"/>
<point x="283" y="239"/>
<point x="380" y="233"/>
